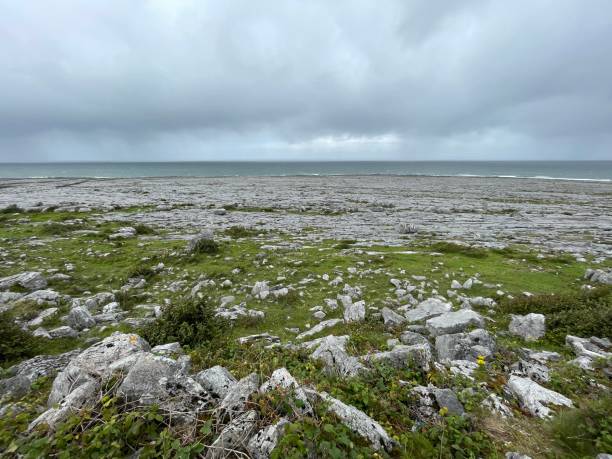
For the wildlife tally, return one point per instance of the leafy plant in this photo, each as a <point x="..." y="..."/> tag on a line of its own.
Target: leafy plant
<point x="16" y="343"/>
<point x="192" y="323"/>
<point x="586" y="431"/>
<point x="582" y="314"/>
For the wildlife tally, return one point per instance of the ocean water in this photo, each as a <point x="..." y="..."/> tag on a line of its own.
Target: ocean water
<point x="567" y="170"/>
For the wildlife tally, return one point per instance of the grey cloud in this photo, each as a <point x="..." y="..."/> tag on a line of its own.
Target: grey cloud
<point x="297" y="80"/>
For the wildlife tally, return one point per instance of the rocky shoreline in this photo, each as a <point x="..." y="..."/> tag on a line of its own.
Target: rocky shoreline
<point x="305" y="317"/>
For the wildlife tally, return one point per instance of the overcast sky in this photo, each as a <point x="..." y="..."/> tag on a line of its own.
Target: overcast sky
<point x="299" y="80"/>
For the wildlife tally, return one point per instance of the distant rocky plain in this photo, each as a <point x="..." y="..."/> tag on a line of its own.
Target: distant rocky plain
<point x="383" y="309"/>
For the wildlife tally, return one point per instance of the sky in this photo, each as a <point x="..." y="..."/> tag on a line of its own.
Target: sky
<point x="118" y="80"/>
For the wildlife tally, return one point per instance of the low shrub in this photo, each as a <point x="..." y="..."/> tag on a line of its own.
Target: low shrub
<point x="16" y="343"/>
<point x="584" y="314"/>
<point x="585" y="431"/>
<point x="205" y="246"/>
<point x="12" y="209"/>
<point x="191" y="322"/>
<point x="459" y="249"/>
<point x="240" y="231"/>
<point x="141" y="228"/>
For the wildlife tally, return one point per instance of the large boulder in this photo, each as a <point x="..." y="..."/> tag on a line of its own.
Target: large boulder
<point x="80" y="318"/>
<point x="464" y="346"/>
<point x="392" y="318"/>
<point x="25" y="373"/>
<point x="533" y="397"/>
<point x="260" y="446"/>
<point x="162" y="381"/>
<point x="354" y="312"/>
<point x="427" y="309"/>
<point x="77" y="385"/>
<point x="234" y="437"/>
<point x="216" y="380"/>
<point x="331" y="350"/>
<point x="357" y="421"/>
<point x="599" y="276"/>
<point x="454" y="322"/>
<point x="402" y="356"/>
<point x="530" y="327"/>
<point x="235" y="401"/>
<point x="282" y="380"/>
<point x="29" y="280"/>
<point x="588" y="350"/>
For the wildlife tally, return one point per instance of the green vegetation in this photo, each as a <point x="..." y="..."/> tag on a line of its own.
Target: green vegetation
<point x="191" y="322"/>
<point x="586" y="313"/>
<point x="237" y="232"/>
<point x="206" y="246"/>
<point x="585" y="431"/>
<point x="16" y="343"/>
<point x="109" y="430"/>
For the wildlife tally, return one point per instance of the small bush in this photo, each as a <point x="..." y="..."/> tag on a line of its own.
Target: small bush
<point x="582" y="314"/>
<point x="192" y="323"/>
<point x="205" y="246"/>
<point x="12" y="209"/>
<point x="240" y="231"/>
<point x="16" y="343"/>
<point x="451" y="247"/>
<point x="586" y="431"/>
<point x="345" y="243"/>
<point x="58" y="229"/>
<point x="143" y="229"/>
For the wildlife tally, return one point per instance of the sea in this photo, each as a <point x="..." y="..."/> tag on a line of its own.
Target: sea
<point x="545" y="170"/>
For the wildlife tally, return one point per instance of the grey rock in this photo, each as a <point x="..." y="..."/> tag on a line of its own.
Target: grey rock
<point x="464" y="346"/>
<point x="28" y="371"/>
<point x="169" y="350"/>
<point x="30" y="280"/>
<point x="161" y="381"/>
<point x="454" y="322"/>
<point x="234" y="402"/>
<point x="319" y="328"/>
<point x="357" y="421"/>
<point x="49" y="312"/>
<point x="392" y="318"/>
<point x="80" y="318"/>
<point x="538" y="372"/>
<point x="588" y="350"/>
<point x="282" y="379"/>
<point x="409" y="338"/>
<point x="426" y="309"/>
<point x="266" y="337"/>
<point x="260" y="446"/>
<point x="216" y="380"/>
<point x="401" y="356"/>
<point x="431" y="399"/>
<point x="41" y="297"/>
<point x="514" y="455"/>
<point x="446" y="398"/>
<point x="533" y="397"/>
<point x="9" y="297"/>
<point x="234" y="437"/>
<point x="599" y="276"/>
<point x="63" y="332"/>
<point x="331" y="350"/>
<point x="530" y="327"/>
<point x="354" y="312"/>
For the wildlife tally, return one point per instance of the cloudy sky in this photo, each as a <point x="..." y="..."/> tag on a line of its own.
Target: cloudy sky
<point x="299" y="80"/>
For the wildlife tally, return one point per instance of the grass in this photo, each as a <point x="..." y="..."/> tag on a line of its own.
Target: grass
<point x="103" y="265"/>
<point x="587" y="313"/>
